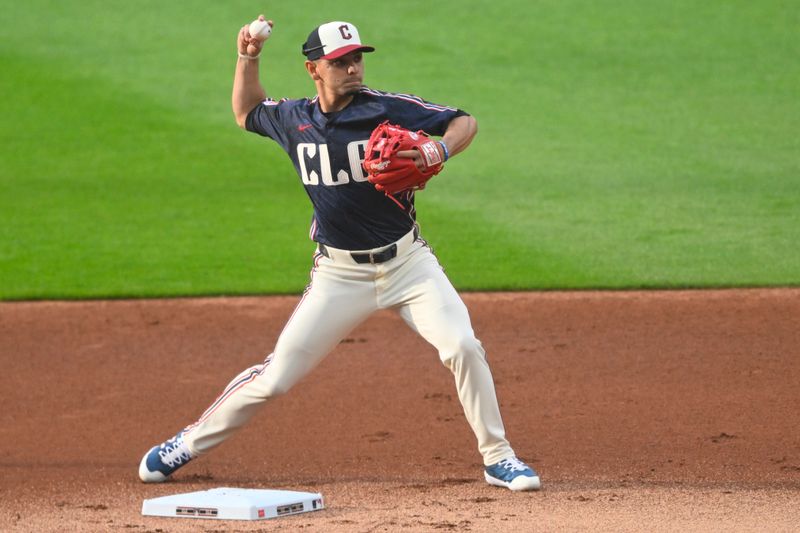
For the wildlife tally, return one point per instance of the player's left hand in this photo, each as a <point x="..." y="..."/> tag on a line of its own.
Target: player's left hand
<point x="419" y="160"/>
<point x="397" y="159"/>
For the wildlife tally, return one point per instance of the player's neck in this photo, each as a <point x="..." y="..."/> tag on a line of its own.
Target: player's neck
<point x="329" y="103"/>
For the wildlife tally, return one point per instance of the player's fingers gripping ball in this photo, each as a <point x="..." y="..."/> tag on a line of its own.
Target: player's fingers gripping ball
<point x="391" y="173"/>
<point x="260" y="29"/>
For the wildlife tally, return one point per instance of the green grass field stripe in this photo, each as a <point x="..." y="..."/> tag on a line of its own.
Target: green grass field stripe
<point x="621" y="145"/>
<point x="118" y="213"/>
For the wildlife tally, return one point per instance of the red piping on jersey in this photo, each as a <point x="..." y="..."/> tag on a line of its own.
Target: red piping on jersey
<point x="409" y="98"/>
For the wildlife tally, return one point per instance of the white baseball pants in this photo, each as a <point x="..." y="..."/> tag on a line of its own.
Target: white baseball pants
<point x="341" y="295"/>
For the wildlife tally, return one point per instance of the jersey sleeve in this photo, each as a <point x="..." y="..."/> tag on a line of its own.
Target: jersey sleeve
<point x="415" y="113"/>
<point x="266" y="119"/>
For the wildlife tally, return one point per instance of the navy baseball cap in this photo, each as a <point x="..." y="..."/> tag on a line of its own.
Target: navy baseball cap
<point x="332" y="40"/>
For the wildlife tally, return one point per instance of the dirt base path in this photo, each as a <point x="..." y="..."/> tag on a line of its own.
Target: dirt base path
<point x="640" y="410"/>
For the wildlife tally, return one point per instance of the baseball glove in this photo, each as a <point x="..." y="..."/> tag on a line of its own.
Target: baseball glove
<point x="392" y="174"/>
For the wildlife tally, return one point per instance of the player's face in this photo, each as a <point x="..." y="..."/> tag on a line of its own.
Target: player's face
<point x="344" y="75"/>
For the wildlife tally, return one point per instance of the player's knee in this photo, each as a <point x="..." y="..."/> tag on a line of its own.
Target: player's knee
<point x="272" y="385"/>
<point x="460" y="349"/>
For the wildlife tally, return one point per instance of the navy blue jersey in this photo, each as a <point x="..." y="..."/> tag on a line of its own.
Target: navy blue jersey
<point x="327" y="150"/>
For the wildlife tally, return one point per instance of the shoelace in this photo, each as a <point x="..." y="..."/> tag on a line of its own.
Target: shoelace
<point x="513" y="464"/>
<point x="174" y="452"/>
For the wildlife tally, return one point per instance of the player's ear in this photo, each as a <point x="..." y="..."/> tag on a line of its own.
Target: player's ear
<point x="311" y="67"/>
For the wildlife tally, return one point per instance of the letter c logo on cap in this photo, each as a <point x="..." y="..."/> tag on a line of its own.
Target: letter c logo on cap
<point x="345" y="31"/>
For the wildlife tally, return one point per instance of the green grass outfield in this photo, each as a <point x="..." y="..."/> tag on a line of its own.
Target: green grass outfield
<point x="622" y="143"/>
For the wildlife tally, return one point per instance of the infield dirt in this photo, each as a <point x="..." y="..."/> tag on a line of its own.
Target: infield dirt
<point x="658" y="411"/>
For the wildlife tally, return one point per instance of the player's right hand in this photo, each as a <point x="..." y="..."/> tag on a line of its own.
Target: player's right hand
<point x="248" y="45"/>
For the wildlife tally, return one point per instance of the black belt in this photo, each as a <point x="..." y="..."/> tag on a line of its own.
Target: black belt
<point x="375" y="257"/>
<point x="367" y="257"/>
<point x="371" y="257"/>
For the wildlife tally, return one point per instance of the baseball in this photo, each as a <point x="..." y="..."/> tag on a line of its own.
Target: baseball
<point x="259" y="29"/>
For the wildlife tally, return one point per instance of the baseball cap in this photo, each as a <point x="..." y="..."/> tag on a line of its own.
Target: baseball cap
<point x="332" y="40"/>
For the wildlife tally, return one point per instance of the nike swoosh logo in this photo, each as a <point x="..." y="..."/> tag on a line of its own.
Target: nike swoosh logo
<point x="303" y="127"/>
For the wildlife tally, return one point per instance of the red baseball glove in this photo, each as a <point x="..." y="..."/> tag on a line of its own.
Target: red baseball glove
<point x="392" y="174"/>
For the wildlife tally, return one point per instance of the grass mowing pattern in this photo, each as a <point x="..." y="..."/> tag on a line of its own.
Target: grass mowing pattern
<point x="626" y="145"/>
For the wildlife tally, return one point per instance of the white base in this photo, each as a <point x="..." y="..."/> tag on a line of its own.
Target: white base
<point x="234" y="504"/>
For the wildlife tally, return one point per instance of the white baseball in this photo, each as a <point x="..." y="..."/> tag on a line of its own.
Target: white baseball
<point x="259" y="29"/>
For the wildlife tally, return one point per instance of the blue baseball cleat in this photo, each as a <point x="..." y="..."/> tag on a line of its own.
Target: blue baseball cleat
<point x="512" y="474"/>
<point x="161" y="461"/>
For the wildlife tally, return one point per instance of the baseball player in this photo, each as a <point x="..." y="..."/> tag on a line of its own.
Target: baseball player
<point x="369" y="253"/>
